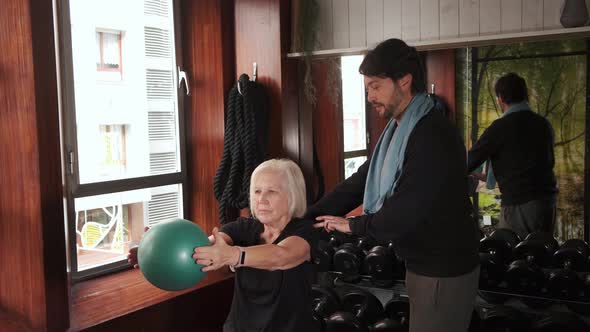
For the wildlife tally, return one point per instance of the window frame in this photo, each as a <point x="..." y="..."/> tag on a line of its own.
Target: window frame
<point x="70" y="171"/>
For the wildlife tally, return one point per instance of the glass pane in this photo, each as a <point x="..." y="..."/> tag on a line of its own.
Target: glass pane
<point x="353" y="104"/>
<point x="351" y="165"/>
<point x="108" y="225"/>
<point x="557" y="90"/>
<point x="125" y="91"/>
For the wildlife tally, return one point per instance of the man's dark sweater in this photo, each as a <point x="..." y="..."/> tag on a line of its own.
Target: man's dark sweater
<point x="428" y="215"/>
<point x="520" y="147"/>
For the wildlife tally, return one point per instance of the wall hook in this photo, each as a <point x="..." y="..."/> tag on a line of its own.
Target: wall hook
<point x="254" y="71"/>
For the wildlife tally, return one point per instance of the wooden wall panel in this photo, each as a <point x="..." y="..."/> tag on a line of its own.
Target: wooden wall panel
<point x="325" y="30"/>
<point x="262" y="30"/>
<point x="257" y="31"/>
<point x="19" y="193"/>
<point x="358" y="23"/>
<point x="429" y="19"/>
<point x="209" y="59"/>
<point x="375" y="17"/>
<point x="32" y="248"/>
<point x="424" y="22"/>
<point x="440" y="71"/>
<point x="341" y="21"/>
<point x="410" y="20"/>
<point x="449" y="18"/>
<point x="511" y="16"/>
<point x="532" y="15"/>
<point x="327" y="121"/>
<point x="551" y="14"/>
<point x="490" y="18"/>
<point x="469" y="17"/>
<point x="392" y="26"/>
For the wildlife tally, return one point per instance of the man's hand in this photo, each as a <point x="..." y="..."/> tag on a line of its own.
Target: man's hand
<point x="331" y="223"/>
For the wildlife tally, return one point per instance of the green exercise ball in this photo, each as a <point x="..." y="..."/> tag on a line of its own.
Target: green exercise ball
<point x="165" y="255"/>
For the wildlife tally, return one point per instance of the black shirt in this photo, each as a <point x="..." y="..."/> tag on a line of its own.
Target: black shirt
<point x="429" y="214"/>
<point x="271" y="300"/>
<point x="520" y="147"/>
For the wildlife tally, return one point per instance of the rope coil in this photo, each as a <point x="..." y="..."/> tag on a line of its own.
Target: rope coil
<point x="244" y="147"/>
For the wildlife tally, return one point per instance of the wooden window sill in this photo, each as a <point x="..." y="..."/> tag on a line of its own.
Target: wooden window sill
<point x="99" y="300"/>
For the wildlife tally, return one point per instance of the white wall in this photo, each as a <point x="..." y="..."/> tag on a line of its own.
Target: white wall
<point x="364" y="23"/>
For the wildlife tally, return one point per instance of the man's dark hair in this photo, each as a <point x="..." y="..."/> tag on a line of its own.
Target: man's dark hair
<point x="512" y="88"/>
<point x="394" y="59"/>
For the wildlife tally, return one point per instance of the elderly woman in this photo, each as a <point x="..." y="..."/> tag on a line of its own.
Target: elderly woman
<point x="269" y="252"/>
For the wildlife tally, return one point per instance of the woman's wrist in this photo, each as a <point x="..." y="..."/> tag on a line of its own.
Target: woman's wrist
<point x="235" y="256"/>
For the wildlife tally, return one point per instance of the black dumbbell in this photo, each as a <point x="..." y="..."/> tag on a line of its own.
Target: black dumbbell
<point x="560" y="321"/>
<point x="537" y="248"/>
<point x="503" y="318"/>
<point x="363" y="304"/>
<point x="572" y="255"/>
<point x="322" y="256"/>
<point x="342" y="321"/>
<point x="500" y="243"/>
<point x="323" y="253"/>
<point x="349" y="257"/>
<point x="382" y="265"/>
<point x="336" y="239"/>
<point x="564" y="283"/>
<point x="494" y="253"/>
<point x="324" y="303"/>
<point x="398" y="309"/>
<point x="387" y="325"/>
<point x="524" y="277"/>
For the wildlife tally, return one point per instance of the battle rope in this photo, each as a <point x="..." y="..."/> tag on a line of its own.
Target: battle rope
<point x="244" y="144"/>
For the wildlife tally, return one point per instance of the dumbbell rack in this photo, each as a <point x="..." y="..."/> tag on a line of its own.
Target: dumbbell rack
<point x="397" y="289"/>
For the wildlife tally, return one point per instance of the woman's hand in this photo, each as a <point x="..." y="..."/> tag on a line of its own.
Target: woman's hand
<point x="217" y="255"/>
<point x="331" y="223"/>
<point x="132" y="254"/>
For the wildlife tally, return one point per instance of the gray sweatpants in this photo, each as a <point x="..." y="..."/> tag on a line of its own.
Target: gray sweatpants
<point x="532" y="216"/>
<point x="441" y="304"/>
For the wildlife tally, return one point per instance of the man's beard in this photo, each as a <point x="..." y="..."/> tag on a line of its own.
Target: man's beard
<point x="387" y="110"/>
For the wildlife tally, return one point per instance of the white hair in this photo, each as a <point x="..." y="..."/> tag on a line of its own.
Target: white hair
<point x="293" y="183"/>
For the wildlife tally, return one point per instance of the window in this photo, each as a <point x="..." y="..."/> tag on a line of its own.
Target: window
<point x="112" y="149"/>
<point x="108" y="45"/>
<point x="122" y="140"/>
<point x="353" y="115"/>
<point x="556" y="76"/>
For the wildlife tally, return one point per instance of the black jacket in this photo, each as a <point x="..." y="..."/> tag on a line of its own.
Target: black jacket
<point x="429" y="214"/>
<point x="520" y="146"/>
